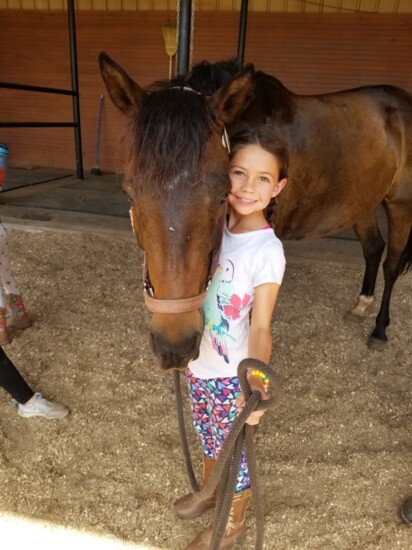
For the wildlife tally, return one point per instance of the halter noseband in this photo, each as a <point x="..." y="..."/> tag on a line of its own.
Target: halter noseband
<point x="182" y="305"/>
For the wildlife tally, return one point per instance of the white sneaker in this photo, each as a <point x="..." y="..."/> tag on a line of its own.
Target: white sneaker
<point x="41" y="407"/>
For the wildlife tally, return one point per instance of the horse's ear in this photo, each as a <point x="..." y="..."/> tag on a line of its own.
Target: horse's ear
<point x="124" y="92"/>
<point x="232" y="99"/>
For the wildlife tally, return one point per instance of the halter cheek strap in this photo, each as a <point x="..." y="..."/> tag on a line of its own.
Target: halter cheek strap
<point x="225" y="140"/>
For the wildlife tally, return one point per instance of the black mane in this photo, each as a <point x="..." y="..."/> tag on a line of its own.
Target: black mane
<point x="208" y="77"/>
<point x="173" y="125"/>
<point x="205" y="78"/>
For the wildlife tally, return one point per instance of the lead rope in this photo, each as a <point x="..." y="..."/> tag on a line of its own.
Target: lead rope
<point x="226" y="468"/>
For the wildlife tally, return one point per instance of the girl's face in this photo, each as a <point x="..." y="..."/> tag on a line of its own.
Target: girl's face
<point x="254" y="175"/>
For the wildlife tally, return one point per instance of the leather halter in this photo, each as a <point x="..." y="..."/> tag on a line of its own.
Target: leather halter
<point x="183" y="305"/>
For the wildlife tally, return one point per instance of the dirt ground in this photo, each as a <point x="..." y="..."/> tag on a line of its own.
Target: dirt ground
<point x="335" y="456"/>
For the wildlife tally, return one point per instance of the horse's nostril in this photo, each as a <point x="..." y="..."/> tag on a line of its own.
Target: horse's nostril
<point x="152" y="340"/>
<point x="175" y="354"/>
<point x="196" y="345"/>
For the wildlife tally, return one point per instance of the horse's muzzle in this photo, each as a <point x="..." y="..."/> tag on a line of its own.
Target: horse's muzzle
<point x="175" y="355"/>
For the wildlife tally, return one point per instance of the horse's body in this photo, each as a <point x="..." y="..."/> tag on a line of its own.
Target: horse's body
<point x="347" y="155"/>
<point x="349" y="152"/>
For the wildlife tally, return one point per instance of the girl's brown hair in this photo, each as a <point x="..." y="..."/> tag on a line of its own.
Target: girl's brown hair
<point x="268" y="138"/>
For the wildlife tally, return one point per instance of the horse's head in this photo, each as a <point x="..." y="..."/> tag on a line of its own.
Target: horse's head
<point x="177" y="179"/>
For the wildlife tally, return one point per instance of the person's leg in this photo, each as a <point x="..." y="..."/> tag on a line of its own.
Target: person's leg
<point x="223" y="394"/>
<point x="8" y="280"/>
<point x="201" y="411"/>
<point x="406" y="511"/>
<point x="28" y="403"/>
<point x="12" y="381"/>
<point x="5" y="336"/>
<point x="189" y="506"/>
<point x="16" y="312"/>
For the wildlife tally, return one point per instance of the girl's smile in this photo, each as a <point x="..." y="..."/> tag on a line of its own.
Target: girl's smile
<point x="241" y="200"/>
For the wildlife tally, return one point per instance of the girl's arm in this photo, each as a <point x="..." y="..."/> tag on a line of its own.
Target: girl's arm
<point x="260" y="338"/>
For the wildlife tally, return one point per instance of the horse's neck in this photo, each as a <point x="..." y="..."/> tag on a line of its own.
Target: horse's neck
<point x="272" y="101"/>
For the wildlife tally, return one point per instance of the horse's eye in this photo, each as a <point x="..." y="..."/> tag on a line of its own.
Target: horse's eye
<point x="128" y="197"/>
<point x="223" y="199"/>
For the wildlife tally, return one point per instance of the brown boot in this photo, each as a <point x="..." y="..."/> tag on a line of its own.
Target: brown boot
<point x="235" y="530"/>
<point x="5" y="337"/>
<point x="16" y="312"/>
<point x="189" y="506"/>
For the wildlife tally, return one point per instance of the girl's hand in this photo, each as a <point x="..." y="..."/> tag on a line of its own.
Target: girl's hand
<point x="256" y="384"/>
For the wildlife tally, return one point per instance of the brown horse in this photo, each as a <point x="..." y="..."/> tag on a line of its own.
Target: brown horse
<point x="350" y="151"/>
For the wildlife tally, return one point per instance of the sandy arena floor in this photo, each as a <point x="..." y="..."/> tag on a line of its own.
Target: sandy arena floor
<point x="335" y="456"/>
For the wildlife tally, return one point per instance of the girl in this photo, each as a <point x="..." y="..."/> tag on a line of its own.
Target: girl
<point x="249" y="273"/>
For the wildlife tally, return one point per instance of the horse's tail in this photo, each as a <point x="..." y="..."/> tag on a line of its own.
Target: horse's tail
<point x="405" y="261"/>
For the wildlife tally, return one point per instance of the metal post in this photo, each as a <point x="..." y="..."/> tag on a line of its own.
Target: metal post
<point x="183" y="48"/>
<point x="242" y="33"/>
<point x="75" y="87"/>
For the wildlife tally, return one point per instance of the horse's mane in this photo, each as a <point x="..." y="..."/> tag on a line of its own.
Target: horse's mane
<point x="171" y="128"/>
<point x="204" y="77"/>
<point x="169" y="134"/>
<point x="208" y="77"/>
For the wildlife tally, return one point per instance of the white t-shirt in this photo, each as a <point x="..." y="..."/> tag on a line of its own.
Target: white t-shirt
<point x="247" y="260"/>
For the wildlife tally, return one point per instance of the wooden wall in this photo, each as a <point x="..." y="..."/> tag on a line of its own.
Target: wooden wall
<point x="291" y="6"/>
<point x="310" y="53"/>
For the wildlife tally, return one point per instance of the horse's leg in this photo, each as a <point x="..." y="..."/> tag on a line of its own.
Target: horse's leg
<point x="398" y="257"/>
<point x="373" y="246"/>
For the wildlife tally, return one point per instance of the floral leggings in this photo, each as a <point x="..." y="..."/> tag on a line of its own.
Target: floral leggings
<point x="213" y="411"/>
